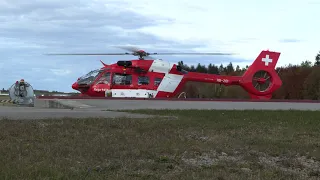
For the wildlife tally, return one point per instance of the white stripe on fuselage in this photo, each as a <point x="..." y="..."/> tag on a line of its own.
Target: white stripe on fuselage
<point x="160" y="66"/>
<point x="170" y="82"/>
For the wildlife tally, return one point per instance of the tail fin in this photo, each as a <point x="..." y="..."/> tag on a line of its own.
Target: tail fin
<point x="267" y="60"/>
<point x="261" y="79"/>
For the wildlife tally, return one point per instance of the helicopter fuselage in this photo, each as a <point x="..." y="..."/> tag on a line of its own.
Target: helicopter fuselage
<point x="135" y="78"/>
<point x="162" y="79"/>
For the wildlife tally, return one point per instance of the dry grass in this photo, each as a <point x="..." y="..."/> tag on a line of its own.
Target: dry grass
<point x="196" y="145"/>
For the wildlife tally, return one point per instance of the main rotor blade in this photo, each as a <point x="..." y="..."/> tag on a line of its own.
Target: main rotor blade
<point x="128" y="48"/>
<point x="148" y="54"/>
<point x="93" y="54"/>
<point x="135" y="49"/>
<point x="192" y="53"/>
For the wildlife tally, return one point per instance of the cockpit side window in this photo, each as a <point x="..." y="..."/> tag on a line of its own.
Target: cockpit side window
<point x="93" y="73"/>
<point x="105" y="78"/>
<point x="90" y="77"/>
<point x="122" y="79"/>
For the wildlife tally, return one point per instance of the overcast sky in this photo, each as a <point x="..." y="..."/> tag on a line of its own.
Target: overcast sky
<point x="29" y="29"/>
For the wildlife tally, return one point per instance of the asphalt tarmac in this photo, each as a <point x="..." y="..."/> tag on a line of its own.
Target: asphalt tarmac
<point x="98" y="107"/>
<point x="33" y="113"/>
<point x="163" y="104"/>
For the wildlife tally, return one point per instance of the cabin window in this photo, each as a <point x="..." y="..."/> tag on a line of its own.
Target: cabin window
<point x="122" y="79"/>
<point x="143" y="80"/>
<point x="104" y="79"/>
<point x="157" y="81"/>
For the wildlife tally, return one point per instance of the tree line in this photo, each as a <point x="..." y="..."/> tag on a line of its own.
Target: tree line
<point x="300" y="81"/>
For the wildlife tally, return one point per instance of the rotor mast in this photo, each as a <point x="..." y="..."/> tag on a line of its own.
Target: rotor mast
<point x="141" y="54"/>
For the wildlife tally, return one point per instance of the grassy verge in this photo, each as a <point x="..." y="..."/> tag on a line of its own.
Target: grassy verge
<point x="5" y="103"/>
<point x="4" y="97"/>
<point x="195" y="145"/>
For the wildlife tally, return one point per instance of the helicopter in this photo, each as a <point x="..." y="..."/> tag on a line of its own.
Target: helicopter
<point x="148" y="77"/>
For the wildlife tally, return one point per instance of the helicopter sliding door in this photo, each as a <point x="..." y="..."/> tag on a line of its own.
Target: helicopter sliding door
<point x="132" y="86"/>
<point x="122" y="85"/>
<point x="122" y="81"/>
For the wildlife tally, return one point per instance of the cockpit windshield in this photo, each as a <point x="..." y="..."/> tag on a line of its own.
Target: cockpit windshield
<point x="90" y="77"/>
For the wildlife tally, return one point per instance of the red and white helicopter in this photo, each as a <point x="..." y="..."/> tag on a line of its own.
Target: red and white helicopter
<point x="147" y="77"/>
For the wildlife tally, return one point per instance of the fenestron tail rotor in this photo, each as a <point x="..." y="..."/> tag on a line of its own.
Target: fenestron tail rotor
<point x="262" y="81"/>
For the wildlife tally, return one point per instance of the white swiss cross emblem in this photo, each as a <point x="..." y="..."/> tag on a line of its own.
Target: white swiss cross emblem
<point x="267" y="60"/>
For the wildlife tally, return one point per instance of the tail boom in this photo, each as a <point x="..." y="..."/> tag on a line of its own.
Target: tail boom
<point x="260" y="80"/>
<point x="212" y="78"/>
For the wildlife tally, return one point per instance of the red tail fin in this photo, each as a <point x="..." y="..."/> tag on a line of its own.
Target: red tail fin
<point x="261" y="79"/>
<point x="267" y="60"/>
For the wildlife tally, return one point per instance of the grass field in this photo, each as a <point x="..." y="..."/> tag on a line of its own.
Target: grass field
<point x="190" y="145"/>
<point x="4" y="97"/>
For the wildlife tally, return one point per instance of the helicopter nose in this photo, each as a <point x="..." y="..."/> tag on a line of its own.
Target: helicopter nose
<point x="75" y="86"/>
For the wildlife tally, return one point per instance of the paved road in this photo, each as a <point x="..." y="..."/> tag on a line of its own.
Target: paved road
<point x="93" y="108"/>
